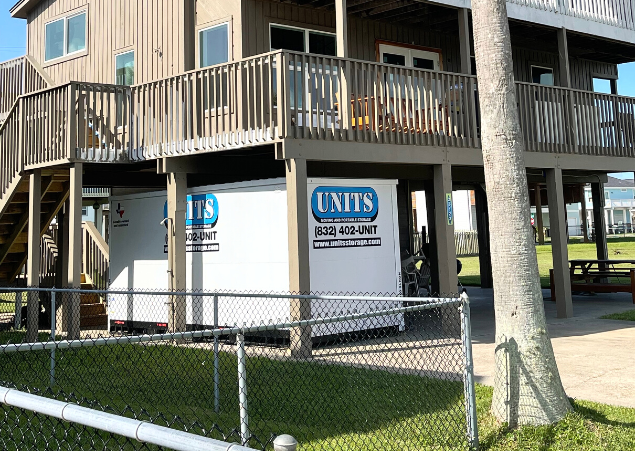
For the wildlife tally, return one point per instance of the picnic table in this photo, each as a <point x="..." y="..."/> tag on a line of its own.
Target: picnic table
<point x="600" y="276"/>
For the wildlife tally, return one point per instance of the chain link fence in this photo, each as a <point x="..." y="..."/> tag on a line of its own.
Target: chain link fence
<point x="336" y="372"/>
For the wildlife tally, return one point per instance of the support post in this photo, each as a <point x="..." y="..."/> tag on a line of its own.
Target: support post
<point x="299" y="270"/>
<point x="71" y="302"/>
<point x="597" y="196"/>
<point x="52" y="375"/>
<point x="177" y="205"/>
<point x="558" y="226"/>
<point x="482" y="229"/>
<point x="563" y="56"/>
<point x="216" y="363"/>
<point x="583" y="215"/>
<point x="444" y="229"/>
<point x="464" y="41"/>
<point x="341" y="29"/>
<point x="33" y="255"/>
<point x="242" y="390"/>
<point x="539" y="225"/>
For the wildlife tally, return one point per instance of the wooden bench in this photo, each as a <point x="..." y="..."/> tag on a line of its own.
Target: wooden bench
<point x="597" y="276"/>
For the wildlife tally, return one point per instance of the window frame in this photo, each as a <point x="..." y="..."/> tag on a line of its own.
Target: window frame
<point x="65" y="17"/>
<point x="121" y="52"/>
<point x="542" y="66"/>
<point x="208" y="26"/>
<point x="306" y="32"/>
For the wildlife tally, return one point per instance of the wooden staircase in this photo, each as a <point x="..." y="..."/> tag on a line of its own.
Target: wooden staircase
<point x="92" y="311"/>
<point x="14" y="219"/>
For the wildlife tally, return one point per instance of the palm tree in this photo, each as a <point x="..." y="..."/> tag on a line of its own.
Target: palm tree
<point x="527" y="387"/>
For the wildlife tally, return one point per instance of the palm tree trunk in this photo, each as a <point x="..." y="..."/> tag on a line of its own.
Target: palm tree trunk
<point x="527" y="387"/>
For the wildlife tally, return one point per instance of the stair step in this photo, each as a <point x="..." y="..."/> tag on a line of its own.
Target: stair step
<point x="92" y="309"/>
<point x="93" y="321"/>
<point x="89" y="298"/>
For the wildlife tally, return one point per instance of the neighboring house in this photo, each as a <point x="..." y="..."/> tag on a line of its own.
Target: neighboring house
<point x="619" y="207"/>
<point x="181" y="94"/>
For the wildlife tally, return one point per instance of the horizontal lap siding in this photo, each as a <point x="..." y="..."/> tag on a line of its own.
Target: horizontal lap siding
<point x="151" y="27"/>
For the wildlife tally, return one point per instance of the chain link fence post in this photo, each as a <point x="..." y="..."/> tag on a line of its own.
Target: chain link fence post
<point x="18" y="311"/>
<point x="216" y="363"/>
<point x="470" y="394"/>
<point x="242" y="389"/>
<point x="52" y="380"/>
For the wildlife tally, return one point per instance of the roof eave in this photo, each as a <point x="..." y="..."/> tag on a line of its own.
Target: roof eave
<point x="22" y="8"/>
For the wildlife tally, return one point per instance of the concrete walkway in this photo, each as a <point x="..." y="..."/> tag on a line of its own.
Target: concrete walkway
<point x="596" y="357"/>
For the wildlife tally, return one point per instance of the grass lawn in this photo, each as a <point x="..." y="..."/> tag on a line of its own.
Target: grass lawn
<point x="628" y="315"/>
<point x="327" y="407"/>
<point x="619" y="249"/>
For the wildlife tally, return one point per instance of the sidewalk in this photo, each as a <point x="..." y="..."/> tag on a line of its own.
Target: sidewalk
<point x="595" y="356"/>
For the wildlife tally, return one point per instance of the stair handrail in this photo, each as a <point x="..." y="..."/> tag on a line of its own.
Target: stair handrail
<point x="96" y="256"/>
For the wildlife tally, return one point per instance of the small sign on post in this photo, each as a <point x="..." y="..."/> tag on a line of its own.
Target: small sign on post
<point x="449" y="208"/>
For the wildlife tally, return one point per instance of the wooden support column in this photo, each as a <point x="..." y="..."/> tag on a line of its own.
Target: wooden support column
<point x="563" y="56"/>
<point x="482" y="229"/>
<point x="539" y="225"/>
<point x="177" y="206"/>
<point x="71" y="303"/>
<point x="444" y="229"/>
<point x="464" y="41"/>
<point x="583" y="215"/>
<point x="558" y="227"/>
<point x="299" y="269"/>
<point x="341" y="30"/>
<point x="599" y="222"/>
<point x="33" y="254"/>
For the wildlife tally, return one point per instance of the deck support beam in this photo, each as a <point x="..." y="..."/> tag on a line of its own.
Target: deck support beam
<point x="482" y="230"/>
<point x="539" y="224"/>
<point x="464" y="41"/>
<point x="558" y="227"/>
<point x="583" y="215"/>
<point x="299" y="268"/>
<point x="341" y="30"/>
<point x="33" y="255"/>
<point x="563" y="56"/>
<point x="177" y="206"/>
<point x="444" y="229"/>
<point x="599" y="222"/>
<point x="71" y="303"/>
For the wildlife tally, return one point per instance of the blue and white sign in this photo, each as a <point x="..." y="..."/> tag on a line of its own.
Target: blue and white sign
<point x="331" y="204"/>
<point x="202" y="210"/>
<point x="201" y="216"/>
<point x="450" y="208"/>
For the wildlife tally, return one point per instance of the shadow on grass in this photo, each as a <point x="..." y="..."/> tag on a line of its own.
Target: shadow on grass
<point x="598" y="416"/>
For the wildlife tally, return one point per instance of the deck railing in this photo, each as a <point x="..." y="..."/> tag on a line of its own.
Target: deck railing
<point x="618" y="13"/>
<point x="19" y="76"/>
<point x="96" y="256"/>
<point x="565" y="120"/>
<point x="287" y="95"/>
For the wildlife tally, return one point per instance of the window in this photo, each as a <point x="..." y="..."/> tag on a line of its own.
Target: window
<point x="301" y="39"/>
<point x="124" y="69"/>
<point x="65" y="36"/>
<point x="542" y="75"/>
<point x="602" y="85"/>
<point x="84" y="211"/>
<point x="214" y="45"/>
<point x="409" y="56"/>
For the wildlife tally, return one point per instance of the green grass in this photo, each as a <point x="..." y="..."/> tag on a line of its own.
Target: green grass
<point x="326" y="407"/>
<point x="622" y="248"/>
<point x="628" y="315"/>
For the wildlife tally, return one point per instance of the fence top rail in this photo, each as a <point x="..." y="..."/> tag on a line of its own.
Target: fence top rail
<point x="105" y="341"/>
<point x="13" y="60"/>
<point x="127" y="427"/>
<point x="227" y="294"/>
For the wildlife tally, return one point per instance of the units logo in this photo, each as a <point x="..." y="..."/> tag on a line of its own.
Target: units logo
<point x="331" y="204"/>
<point x="201" y="212"/>
<point x="120" y="210"/>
